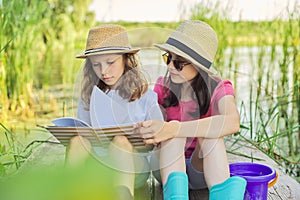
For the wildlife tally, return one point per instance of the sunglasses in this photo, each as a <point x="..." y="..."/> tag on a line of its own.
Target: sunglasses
<point x="167" y="57"/>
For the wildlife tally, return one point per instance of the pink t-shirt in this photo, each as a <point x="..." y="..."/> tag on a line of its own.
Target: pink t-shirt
<point x="182" y="111"/>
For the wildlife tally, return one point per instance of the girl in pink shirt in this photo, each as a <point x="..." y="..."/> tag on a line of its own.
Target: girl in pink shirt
<point x="199" y="109"/>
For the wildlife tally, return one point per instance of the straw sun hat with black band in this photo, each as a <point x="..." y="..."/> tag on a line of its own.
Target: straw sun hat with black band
<point x="195" y="41"/>
<point x="106" y="39"/>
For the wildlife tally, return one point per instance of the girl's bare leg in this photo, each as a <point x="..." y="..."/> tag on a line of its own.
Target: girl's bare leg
<point x="173" y="169"/>
<point x="77" y="152"/>
<point x="212" y="159"/>
<point x="216" y="172"/>
<point x="120" y="152"/>
<point x="197" y="159"/>
<point x="172" y="157"/>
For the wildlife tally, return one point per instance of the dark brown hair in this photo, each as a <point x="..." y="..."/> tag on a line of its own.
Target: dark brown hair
<point x="203" y="87"/>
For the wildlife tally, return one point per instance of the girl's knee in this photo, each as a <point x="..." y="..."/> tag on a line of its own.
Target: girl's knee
<point x="78" y="151"/>
<point x="122" y="142"/>
<point x="210" y="142"/>
<point x="208" y="146"/>
<point x="77" y="141"/>
<point x="174" y="142"/>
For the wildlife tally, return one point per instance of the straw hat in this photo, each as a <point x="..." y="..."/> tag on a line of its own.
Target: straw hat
<point x="195" y="41"/>
<point x="108" y="38"/>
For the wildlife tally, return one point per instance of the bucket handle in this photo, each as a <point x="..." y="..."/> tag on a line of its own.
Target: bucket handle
<point x="270" y="184"/>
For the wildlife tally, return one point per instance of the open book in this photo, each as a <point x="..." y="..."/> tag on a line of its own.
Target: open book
<point x="108" y="119"/>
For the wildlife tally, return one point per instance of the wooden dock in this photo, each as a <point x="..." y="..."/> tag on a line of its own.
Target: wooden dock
<point x="238" y="151"/>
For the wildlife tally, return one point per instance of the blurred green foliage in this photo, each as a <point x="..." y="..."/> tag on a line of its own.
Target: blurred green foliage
<point x="93" y="181"/>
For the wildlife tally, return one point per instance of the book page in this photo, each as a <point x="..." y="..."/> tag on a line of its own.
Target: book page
<point x="106" y="111"/>
<point x="69" y="122"/>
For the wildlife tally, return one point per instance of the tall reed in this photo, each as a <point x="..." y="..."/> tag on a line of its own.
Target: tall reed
<point x="37" y="47"/>
<point x="11" y="157"/>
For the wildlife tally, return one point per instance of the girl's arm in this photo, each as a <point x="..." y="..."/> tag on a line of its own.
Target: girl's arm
<point x="226" y="123"/>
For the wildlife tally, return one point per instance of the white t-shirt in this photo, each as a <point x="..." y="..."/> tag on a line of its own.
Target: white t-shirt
<point x="144" y="108"/>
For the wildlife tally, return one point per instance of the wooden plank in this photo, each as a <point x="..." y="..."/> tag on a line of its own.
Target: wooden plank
<point x="239" y="151"/>
<point x="285" y="188"/>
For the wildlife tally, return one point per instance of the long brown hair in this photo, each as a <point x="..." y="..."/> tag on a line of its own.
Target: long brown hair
<point x="132" y="86"/>
<point x="203" y="87"/>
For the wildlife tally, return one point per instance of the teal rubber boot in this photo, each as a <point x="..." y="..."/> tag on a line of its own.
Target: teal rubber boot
<point x="231" y="189"/>
<point x="176" y="187"/>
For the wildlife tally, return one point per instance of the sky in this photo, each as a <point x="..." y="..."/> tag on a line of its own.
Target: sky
<point x="175" y="10"/>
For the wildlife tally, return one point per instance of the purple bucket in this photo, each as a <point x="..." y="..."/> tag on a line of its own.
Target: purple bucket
<point x="258" y="176"/>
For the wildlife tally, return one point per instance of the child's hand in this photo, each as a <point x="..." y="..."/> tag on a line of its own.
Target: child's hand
<point x="156" y="131"/>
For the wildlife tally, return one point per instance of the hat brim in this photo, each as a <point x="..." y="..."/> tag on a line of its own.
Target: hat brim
<point x="168" y="47"/>
<point x="134" y="50"/>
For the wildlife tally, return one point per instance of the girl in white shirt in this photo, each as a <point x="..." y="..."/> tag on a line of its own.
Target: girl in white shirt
<point x="112" y="66"/>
